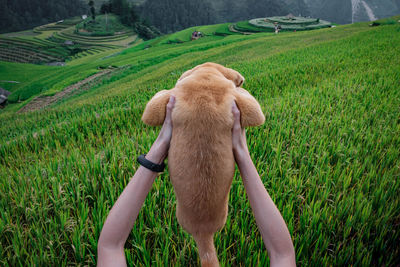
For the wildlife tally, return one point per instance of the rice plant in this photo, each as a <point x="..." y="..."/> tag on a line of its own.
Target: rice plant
<point x="328" y="152"/>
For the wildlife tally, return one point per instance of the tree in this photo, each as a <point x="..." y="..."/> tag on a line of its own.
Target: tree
<point x="106" y="8"/>
<point x="4" y="13"/>
<point x="92" y="9"/>
<point x="265" y="8"/>
<point x="118" y="6"/>
<point x="175" y="15"/>
<point x="146" y="32"/>
<point x="134" y="17"/>
<point x="18" y="15"/>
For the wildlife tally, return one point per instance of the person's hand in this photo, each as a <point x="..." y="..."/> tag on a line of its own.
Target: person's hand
<point x="239" y="144"/>
<point x="166" y="131"/>
<point x="159" y="149"/>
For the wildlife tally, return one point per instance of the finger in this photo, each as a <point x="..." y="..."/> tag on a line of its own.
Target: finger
<point x="244" y="132"/>
<point x="236" y="116"/>
<point x="235" y="111"/>
<point x="170" y="106"/>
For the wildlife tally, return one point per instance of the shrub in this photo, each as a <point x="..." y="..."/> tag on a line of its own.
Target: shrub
<point x="146" y="32"/>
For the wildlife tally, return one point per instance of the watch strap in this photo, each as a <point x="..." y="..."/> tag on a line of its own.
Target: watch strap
<point x="150" y="165"/>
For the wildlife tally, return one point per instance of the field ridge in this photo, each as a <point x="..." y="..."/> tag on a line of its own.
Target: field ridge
<point x="44" y="101"/>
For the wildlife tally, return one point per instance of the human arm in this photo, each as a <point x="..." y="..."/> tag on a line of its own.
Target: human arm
<point x="123" y="214"/>
<point x="273" y="229"/>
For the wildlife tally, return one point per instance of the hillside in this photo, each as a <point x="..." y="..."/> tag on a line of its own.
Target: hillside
<point x="327" y="154"/>
<point x="55" y="43"/>
<point x="17" y="15"/>
<point x="170" y="16"/>
<point x="348" y="11"/>
<point x="338" y="11"/>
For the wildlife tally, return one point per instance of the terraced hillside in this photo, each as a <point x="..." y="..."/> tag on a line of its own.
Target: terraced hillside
<point x="285" y="23"/>
<point x="58" y="42"/>
<point x="290" y="23"/>
<point x="31" y="51"/>
<point x="327" y="154"/>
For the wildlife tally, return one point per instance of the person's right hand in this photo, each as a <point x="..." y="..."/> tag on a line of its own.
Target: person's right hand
<point x="239" y="144"/>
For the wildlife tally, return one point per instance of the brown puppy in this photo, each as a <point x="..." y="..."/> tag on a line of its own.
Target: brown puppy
<point x="200" y="158"/>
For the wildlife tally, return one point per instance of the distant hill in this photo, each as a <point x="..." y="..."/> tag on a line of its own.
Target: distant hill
<point x="16" y="15"/>
<point x="173" y="15"/>
<point x="341" y="11"/>
<point x="74" y="38"/>
<point x="228" y="10"/>
<point x="98" y="3"/>
<point x="338" y="11"/>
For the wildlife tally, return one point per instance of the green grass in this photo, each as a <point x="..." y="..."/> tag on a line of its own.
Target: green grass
<point x="207" y="30"/>
<point x="223" y="29"/>
<point x="388" y="21"/>
<point x="70" y="21"/>
<point x="31" y="49"/>
<point x="18" y="34"/>
<point x="245" y="26"/>
<point x="327" y="154"/>
<point x="24" y="74"/>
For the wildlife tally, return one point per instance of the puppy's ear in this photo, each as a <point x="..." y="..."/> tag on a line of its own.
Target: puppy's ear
<point x="250" y="110"/>
<point x="186" y="73"/>
<point x="154" y="113"/>
<point x="234" y="76"/>
<point x="229" y="73"/>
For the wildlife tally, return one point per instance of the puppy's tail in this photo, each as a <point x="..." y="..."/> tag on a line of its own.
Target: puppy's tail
<point x="207" y="252"/>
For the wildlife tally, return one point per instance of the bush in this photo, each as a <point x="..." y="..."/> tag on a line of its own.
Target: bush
<point x="146" y="32"/>
<point x="74" y="50"/>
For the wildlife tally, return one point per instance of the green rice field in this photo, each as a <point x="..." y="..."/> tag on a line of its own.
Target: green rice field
<point x="65" y="40"/>
<point x="328" y="152"/>
<point x="289" y="24"/>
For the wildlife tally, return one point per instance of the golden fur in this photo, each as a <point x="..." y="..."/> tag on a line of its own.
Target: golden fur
<point x="200" y="158"/>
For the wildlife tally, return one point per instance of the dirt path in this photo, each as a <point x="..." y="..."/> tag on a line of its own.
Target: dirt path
<point x="44" y="101"/>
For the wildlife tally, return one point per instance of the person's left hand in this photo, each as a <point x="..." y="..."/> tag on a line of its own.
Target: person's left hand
<point x="159" y="149"/>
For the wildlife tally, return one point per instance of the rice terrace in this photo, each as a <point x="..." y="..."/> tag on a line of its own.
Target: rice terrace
<point x="73" y="92"/>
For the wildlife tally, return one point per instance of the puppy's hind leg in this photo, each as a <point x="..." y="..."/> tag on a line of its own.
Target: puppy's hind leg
<point x="207" y="252"/>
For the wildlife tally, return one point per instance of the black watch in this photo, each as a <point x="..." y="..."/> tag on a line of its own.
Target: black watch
<point x="150" y="165"/>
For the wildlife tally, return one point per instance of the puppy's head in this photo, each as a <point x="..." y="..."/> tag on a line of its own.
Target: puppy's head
<point x="228" y="73"/>
<point x="223" y="82"/>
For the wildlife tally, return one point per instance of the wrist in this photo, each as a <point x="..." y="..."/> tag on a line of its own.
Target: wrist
<point x="157" y="153"/>
<point x="242" y="155"/>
